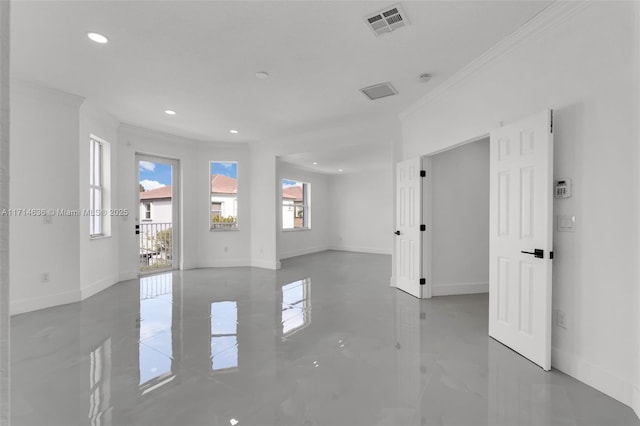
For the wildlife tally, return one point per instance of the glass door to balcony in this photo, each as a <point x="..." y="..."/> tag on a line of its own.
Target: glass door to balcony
<point x="157" y="219"/>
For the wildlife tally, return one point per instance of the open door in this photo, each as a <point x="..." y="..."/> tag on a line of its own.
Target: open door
<point x="520" y="242"/>
<point x="408" y="216"/>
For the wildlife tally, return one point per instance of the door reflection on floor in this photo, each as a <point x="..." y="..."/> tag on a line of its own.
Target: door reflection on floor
<point x="158" y="347"/>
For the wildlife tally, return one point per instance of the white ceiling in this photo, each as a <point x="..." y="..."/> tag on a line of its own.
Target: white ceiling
<point x="199" y="58"/>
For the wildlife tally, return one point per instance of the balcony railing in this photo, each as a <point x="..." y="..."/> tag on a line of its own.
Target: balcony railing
<point x="224" y="225"/>
<point x="156" y="246"/>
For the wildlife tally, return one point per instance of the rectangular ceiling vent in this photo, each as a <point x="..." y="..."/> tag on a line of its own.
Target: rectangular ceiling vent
<point x="387" y="20"/>
<point x="378" y="91"/>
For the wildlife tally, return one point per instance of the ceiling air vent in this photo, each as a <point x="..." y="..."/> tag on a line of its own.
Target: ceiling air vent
<point x="378" y="91"/>
<point x="387" y="20"/>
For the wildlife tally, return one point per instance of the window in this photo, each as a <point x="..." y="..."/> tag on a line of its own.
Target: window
<point x="224" y="335"/>
<point x="147" y="211"/>
<point x="295" y="205"/>
<point x="96" y="185"/>
<point x="223" y="176"/>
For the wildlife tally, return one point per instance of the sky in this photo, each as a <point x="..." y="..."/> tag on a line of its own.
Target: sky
<point x="287" y="183"/>
<point x="227" y="168"/>
<point x="155" y="174"/>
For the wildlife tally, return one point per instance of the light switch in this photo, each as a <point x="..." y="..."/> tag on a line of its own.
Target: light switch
<point x="566" y="223"/>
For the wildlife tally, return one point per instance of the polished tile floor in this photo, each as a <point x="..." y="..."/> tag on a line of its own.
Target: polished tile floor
<point x="324" y="341"/>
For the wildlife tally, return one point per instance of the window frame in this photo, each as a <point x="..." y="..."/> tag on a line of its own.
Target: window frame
<point x="306" y="206"/>
<point x="232" y="226"/>
<point x="96" y="160"/>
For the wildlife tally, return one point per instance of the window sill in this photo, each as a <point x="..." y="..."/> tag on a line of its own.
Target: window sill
<point x="296" y="229"/>
<point x="223" y="229"/>
<point x="98" y="237"/>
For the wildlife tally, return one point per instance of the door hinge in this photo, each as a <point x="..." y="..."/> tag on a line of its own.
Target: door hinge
<point x="423" y="173"/>
<point x="550" y="255"/>
<point x="551" y="123"/>
<point x="423" y="227"/>
<point x="423" y="281"/>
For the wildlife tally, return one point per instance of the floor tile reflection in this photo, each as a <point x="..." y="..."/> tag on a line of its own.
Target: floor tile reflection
<point x="239" y="346"/>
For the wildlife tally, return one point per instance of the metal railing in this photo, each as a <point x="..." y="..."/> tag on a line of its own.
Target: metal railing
<point x="224" y="225"/>
<point x="156" y="246"/>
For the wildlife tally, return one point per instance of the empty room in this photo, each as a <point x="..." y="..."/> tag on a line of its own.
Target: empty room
<point x="319" y="213"/>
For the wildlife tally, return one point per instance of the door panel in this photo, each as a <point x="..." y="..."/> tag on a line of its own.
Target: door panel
<point x="408" y="216"/>
<point x="521" y="168"/>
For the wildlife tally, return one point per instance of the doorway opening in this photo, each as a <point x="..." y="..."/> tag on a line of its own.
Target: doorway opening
<point x="456" y="198"/>
<point x="158" y="219"/>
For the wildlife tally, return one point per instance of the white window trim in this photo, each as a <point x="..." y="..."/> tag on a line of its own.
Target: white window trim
<point x="96" y="221"/>
<point x="104" y="187"/>
<point x="237" y="227"/>
<point x="306" y="205"/>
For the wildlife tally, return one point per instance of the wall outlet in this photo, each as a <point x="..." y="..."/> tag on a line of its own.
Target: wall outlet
<point x="561" y="319"/>
<point x="44" y="277"/>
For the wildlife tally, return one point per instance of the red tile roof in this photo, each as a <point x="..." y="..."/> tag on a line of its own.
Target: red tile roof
<point x="292" y="193"/>
<point x="221" y="184"/>
<point x="156" y="194"/>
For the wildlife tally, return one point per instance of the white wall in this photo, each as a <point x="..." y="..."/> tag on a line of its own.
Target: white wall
<point x="44" y="175"/>
<point x="460" y="219"/>
<point x="5" y="146"/>
<point x="298" y="242"/>
<point x="224" y="247"/>
<point x="98" y="257"/>
<point x="264" y="193"/>
<point x="161" y="211"/>
<point x="580" y="60"/>
<point x="362" y="211"/>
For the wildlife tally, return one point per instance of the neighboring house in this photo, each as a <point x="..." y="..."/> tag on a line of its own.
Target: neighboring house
<point x="224" y="199"/>
<point x="155" y="205"/>
<point x="292" y="207"/>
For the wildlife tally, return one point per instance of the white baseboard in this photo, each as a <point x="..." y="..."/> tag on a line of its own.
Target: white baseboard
<point x="392" y="282"/>
<point x="605" y="381"/>
<point x="127" y="275"/>
<point x="266" y="264"/>
<point x="636" y="400"/>
<point x="460" y="288"/>
<point x="357" y="249"/>
<point x="34" y="304"/>
<point x="301" y="252"/>
<point x="97" y="286"/>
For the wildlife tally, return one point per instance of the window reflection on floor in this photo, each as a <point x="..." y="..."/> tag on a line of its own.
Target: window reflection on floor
<point x="155" y="343"/>
<point x="100" y="385"/>
<point x="224" y="335"/>
<point x="296" y="306"/>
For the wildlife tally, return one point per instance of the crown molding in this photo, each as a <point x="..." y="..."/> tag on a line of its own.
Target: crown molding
<point x="37" y="91"/>
<point x="552" y="16"/>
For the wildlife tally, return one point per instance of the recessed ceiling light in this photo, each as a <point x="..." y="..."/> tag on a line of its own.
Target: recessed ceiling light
<point x="339" y="170"/>
<point x="170" y="112"/>
<point x="98" y="38"/>
<point x="233" y="131"/>
<point x="315" y="163"/>
<point x="262" y="74"/>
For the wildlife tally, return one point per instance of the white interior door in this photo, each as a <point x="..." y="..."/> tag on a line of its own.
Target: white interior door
<point x="408" y="216"/>
<point x="520" y="242"/>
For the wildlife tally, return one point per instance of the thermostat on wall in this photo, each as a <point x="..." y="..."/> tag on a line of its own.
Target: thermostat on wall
<point x="563" y="188"/>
